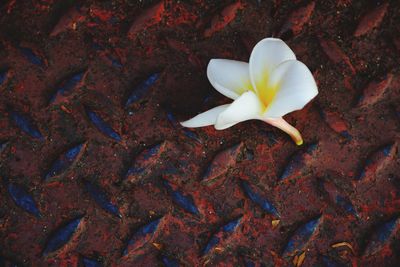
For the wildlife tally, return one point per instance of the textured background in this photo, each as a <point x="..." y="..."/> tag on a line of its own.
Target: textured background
<point x="87" y="180"/>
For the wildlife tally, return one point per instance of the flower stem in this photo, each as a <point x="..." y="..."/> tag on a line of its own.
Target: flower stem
<point x="287" y="128"/>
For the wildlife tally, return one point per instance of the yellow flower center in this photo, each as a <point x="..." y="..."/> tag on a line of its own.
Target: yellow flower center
<point x="265" y="91"/>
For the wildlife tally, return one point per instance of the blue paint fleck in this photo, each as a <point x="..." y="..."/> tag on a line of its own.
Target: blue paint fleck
<point x="192" y="135"/>
<point x="3" y="145"/>
<point x="67" y="85"/>
<point x="381" y="236"/>
<point x="370" y="160"/>
<point x="296" y="162"/>
<point x="145" y="155"/>
<point x="231" y="226"/>
<point x="171" y="118"/>
<point x="141" y="90"/>
<point x="361" y="175"/>
<point x="115" y="62"/>
<point x="328" y="262"/>
<point x="91" y="263"/>
<point x="249" y="263"/>
<point x="360" y="99"/>
<point x="321" y="113"/>
<point x="152" y="151"/>
<point x="386" y="230"/>
<point x="386" y="149"/>
<point x="73" y="152"/>
<point x="262" y="202"/>
<point x="142" y="232"/>
<point x="23" y="199"/>
<point x="168" y="262"/>
<point x="249" y="154"/>
<point x="64" y="162"/>
<point x="101" y="125"/>
<point x="25" y="124"/>
<point x="101" y="198"/>
<point x="301" y="236"/>
<point x="61" y="236"/>
<point x="185" y="202"/>
<point x="346" y="135"/>
<point x="207" y="98"/>
<point x="227" y="228"/>
<point x="345" y="204"/>
<point x="97" y="47"/>
<point x="211" y="243"/>
<point x="207" y="171"/>
<point x="32" y="57"/>
<point x="312" y="147"/>
<point x="57" y="168"/>
<point x="150" y="227"/>
<point x="114" y="20"/>
<point x="3" y="76"/>
<point x="134" y="171"/>
<point x="170" y="169"/>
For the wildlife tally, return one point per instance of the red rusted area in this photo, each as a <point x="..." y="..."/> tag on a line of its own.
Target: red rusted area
<point x="10" y="6"/>
<point x="335" y="121"/>
<point x="346" y="174"/>
<point x="69" y="21"/>
<point x="335" y="53"/>
<point x="181" y="13"/>
<point x="375" y="91"/>
<point x="371" y="20"/>
<point x="221" y="20"/>
<point x="298" y="18"/>
<point x="103" y="15"/>
<point x="376" y="162"/>
<point x="220" y="164"/>
<point x="181" y="47"/>
<point x="146" y="19"/>
<point x="152" y="161"/>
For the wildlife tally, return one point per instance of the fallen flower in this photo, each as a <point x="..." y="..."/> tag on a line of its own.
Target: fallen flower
<point x="270" y="86"/>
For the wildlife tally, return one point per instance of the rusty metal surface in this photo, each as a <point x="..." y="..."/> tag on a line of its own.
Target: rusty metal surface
<point x="96" y="171"/>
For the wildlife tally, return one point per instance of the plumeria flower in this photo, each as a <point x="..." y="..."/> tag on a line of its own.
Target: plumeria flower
<point x="267" y="88"/>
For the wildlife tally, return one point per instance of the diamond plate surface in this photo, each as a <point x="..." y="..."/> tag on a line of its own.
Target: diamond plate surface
<point x="96" y="171"/>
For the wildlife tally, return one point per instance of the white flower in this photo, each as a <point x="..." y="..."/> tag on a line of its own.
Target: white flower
<point x="270" y="86"/>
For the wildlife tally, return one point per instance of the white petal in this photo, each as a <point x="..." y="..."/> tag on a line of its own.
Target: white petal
<point x="229" y="77"/>
<point x="266" y="56"/>
<point x="206" y="118"/>
<point x="246" y="107"/>
<point x="295" y="88"/>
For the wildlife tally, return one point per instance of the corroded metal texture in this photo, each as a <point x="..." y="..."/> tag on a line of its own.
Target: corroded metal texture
<point x="96" y="171"/>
